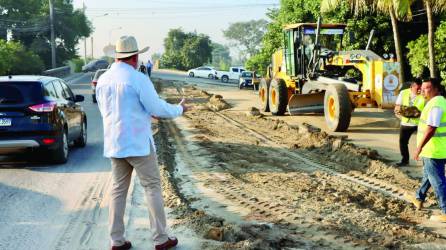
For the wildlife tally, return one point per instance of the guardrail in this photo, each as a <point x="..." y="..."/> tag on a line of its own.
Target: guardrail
<point x="58" y="72"/>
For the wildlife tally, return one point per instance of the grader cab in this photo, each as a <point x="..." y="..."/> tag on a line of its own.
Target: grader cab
<point x="312" y="74"/>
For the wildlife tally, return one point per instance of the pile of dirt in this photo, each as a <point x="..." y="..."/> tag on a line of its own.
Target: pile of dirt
<point x="217" y="103"/>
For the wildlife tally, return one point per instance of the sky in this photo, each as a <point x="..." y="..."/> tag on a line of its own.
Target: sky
<point x="150" y="20"/>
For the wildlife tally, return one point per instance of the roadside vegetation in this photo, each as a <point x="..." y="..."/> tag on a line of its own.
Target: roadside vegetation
<point x="401" y="28"/>
<point x="25" y="35"/>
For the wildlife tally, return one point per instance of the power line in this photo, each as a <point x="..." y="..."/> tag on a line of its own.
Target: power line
<point x="213" y="7"/>
<point x="176" y="13"/>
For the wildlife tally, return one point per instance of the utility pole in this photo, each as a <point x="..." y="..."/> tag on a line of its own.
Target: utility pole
<point x="85" y="39"/>
<point x="53" y="41"/>
<point x="106" y="14"/>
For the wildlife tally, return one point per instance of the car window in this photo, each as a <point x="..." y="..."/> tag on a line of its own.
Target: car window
<point x="200" y="68"/>
<point x="235" y="70"/>
<point x="49" y="91"/>
<point x="20" y="92"/>
<point x="206" y="69"/>
<point x="67" y="91"/>
<point x="59" y="90"/>
<point x="98" y="74"/>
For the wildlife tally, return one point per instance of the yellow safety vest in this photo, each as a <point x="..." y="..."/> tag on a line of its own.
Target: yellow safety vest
<point x="418" y="102"/>
<point x="435" y="148"/>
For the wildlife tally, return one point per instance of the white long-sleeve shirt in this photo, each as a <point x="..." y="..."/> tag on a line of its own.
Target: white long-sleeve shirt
<point x="127" y="100"/>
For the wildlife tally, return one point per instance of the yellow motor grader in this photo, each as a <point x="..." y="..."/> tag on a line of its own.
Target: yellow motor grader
<point x="312" y="74"/>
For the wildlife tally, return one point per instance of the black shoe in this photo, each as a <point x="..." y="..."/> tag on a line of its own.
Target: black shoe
<point x="402" y="164"/>
<point x="127" y="245"/>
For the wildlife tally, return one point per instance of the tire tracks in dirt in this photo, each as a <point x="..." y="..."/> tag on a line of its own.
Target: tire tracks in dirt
<point x="239" y="199"/>
<point x="79" y="228"/>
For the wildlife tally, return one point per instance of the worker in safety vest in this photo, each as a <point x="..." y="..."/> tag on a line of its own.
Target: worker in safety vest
<point x="431" y="146"/>
<point x="410" y="97"/>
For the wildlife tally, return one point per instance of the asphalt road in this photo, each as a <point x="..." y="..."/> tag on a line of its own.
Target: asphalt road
<point x="182" y="76"/>
<point x="57" y="206"/>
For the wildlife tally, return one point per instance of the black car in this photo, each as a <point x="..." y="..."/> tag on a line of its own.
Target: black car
<point x="40" y="114"/>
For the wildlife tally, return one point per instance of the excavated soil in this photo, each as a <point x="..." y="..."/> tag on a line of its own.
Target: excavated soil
<point x="241" y="193"/>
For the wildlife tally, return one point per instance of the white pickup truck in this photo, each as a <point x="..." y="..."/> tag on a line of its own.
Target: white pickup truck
<point x="232" y="74"/>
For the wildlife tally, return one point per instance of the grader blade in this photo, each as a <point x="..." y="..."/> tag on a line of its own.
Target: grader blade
<point x="306" y="103"/>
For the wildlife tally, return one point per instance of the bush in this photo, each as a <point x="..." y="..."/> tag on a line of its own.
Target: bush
<point x="78" y="63"/>
<point x="258" y="63"/>
<point x="15" y="59"/>
<point x="418" y="55"/>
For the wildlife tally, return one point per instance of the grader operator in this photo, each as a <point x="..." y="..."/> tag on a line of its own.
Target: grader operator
<point x="312" y="74"/>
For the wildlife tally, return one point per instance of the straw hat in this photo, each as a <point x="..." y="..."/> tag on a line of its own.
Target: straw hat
<point x="126" y="46"/>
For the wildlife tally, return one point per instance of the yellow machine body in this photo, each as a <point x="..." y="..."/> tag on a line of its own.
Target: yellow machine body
<point x="377" y="86"/>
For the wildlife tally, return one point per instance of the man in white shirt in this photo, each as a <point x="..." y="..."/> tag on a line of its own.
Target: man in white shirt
<point x="127" y="100"/>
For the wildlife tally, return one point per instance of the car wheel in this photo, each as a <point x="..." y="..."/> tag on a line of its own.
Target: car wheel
<point x="211" y="76"/>
<point x="225" y="79"/>
<point x="93" y="97"/>
<point x="82" y="140"/>
<point x="60" y="154"/>
<point x="240" y="86"/>
<point x="191" y="74"/>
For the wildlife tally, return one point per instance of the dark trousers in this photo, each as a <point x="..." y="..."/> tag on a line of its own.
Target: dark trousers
<point x="405" y="133"/>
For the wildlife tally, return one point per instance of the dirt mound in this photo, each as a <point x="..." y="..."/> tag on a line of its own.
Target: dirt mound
<point x="253" y="111"/>
<point x="217" y="103"/>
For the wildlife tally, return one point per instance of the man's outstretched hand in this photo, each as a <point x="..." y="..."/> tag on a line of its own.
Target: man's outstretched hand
<point x="183" y="104"/>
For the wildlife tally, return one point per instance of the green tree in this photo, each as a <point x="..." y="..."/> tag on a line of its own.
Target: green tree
<point x="418" y="55"/>
<point x="196" y="51"/>
<point x="173" y="44"/>
<point x="221" y="57"/>
<point x="28" y="20"/>
<point x="397" y="9"/>
<point x="290" y="11"/>
<point x="185" y="50"/>
<point x="432" y="6"/>
<point x="17" y="60"/>
<point x="247" y="35"/>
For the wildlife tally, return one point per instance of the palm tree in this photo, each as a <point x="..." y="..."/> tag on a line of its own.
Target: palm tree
<point x="432" y="6"/>
<point x="398" y="9"/>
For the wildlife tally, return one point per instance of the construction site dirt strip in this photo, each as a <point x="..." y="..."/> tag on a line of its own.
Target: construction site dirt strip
<point x="246" y="182"/>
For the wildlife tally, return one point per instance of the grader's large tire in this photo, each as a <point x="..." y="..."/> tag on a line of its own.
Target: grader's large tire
<point x="278" y="97"/>
<point x="263" y="94"/>
<point x="337" y="108"/>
